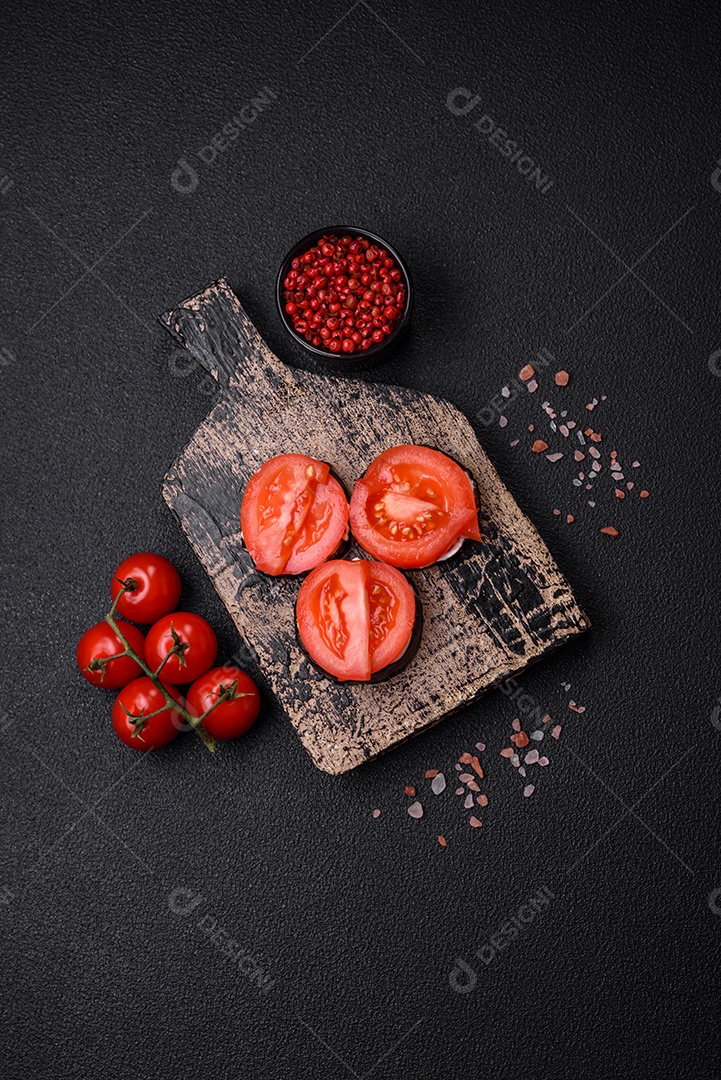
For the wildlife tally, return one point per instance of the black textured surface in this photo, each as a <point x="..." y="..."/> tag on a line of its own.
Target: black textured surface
<point x="358" y="922"/>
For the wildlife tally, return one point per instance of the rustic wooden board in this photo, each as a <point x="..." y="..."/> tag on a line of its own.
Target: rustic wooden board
<point x="489" y="611"/>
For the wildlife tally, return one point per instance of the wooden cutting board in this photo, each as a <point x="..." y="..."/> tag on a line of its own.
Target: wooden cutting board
<point x="489" y="611"/>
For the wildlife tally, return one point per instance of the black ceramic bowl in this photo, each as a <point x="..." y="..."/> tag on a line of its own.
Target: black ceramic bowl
<point x="347" y="361"/>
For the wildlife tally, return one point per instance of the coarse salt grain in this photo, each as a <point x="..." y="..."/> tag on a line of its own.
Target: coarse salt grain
<point x="438" y="784"/>
<point x="415" y="810"/>
<point x="376" y="813"/>
<point x="528" y="790"/>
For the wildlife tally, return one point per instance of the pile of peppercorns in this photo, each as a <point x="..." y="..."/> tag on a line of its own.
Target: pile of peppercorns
<point x="344" y="294"/>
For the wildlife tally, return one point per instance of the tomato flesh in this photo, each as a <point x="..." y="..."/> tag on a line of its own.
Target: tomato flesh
<point x="294" y="514"/>
<point x="412" y="505"/>
<point x="355" y="618"/>
<point x="392" y="604"/>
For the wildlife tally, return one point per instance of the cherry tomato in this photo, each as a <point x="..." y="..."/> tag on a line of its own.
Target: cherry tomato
<point x="155" y="587"/>
<point x="294" y="515"/>
<point x="100" y="642"/>
<point x="141" y="698"/>
<point x="233" y="717"/>
<point x="196" y="640"/>
<point x="412" y="506"/>
<point x="355" y="618"/>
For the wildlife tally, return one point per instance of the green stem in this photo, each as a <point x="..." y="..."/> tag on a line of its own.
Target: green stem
<point x="195" y="722"/>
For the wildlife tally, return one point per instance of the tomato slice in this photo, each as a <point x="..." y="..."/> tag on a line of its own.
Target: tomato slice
<point x="294" y="514"/>
<point x="355" y="618"/>
<point x="392" y="608"/>
<point x="412" y="505"/>
<point x="333" y="618"/>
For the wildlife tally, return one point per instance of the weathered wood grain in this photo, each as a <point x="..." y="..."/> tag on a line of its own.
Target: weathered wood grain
<point x="489" y="611"/>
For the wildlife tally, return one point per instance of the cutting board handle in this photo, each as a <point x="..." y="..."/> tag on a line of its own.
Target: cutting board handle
<point x="218" y="334"/>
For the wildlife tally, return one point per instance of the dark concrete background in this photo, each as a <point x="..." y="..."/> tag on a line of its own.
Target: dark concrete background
<point x="107" y="968"/>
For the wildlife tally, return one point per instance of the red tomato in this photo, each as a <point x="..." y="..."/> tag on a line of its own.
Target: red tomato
<point x="182" y="628"/>
<point x="99" y="642"/>
<point x="412" y="506"/>
<point x="392" y="609"/>
<point x="233" y="717"/>
<point x="141" y="698"/>
<point x="156" y="590"/>
<point x="355" y="618"/>
<point x="294" y="515"/>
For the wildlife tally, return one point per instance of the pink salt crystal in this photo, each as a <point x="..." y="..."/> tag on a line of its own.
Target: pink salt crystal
<point x="468" y="802"/>
<point x="516" y="725"/>
<point x="531" y="757"/>
<point x="376" y="813"/>
<point x="556" y="731"/>
<point x="502" y="421"/>
<point x="578" y="455"/>
<point x="415" y="810"/>
<point x="532" y="386"/>
<point x="529" y="789"/>
<point x="543" y="761"/>
<point x="480" y="746"/>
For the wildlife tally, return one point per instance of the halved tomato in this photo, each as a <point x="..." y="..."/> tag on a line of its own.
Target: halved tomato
<point x="355" y="618"/>
<point x="412" y="506"/>
<point x="294" y="514"/>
